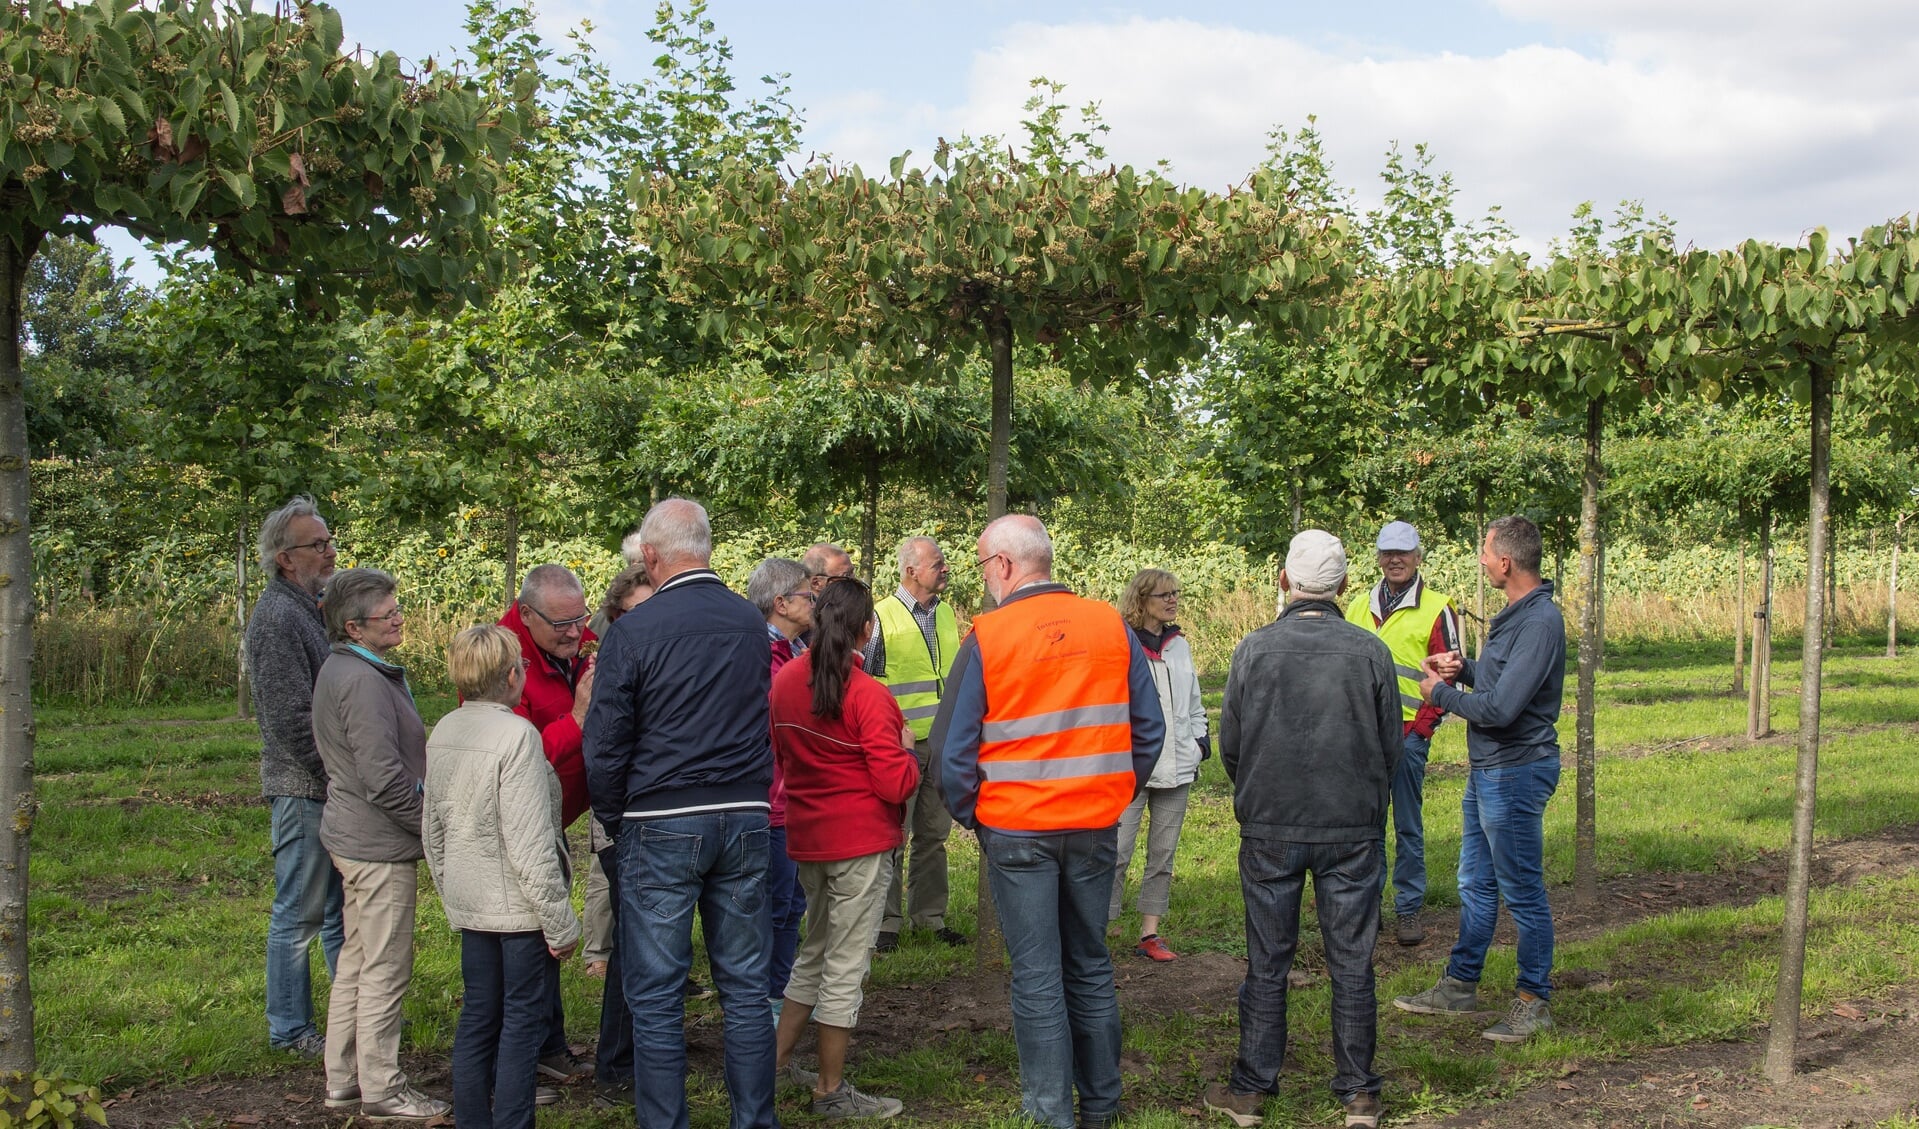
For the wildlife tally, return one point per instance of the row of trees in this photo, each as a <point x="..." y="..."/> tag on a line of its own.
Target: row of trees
<point x="582" y="294"/>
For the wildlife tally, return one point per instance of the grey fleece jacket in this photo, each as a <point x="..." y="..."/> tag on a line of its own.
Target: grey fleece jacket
<point x="1310" y="731"/>
<point x="286" y="646"/>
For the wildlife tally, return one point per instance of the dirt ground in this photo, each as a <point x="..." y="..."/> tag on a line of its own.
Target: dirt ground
<point x="1859" y="1062"/>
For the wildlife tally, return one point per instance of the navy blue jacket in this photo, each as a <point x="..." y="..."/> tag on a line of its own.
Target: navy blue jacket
<point x="956" y="728"/>
<point x="678" y="721"/>
<point x="1512" y="715"/>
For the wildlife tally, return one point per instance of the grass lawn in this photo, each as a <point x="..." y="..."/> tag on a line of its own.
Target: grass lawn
<point x="151" y="882"/>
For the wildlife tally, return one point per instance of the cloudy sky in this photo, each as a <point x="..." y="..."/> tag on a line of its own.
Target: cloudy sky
<point x="1757" y="118"/>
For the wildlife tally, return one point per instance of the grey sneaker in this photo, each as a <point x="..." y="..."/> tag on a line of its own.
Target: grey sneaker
<point x="1362" y="1109"/>
<point x="545" y="1095"/>
<point x="565" y="1066"/>
<point x="343" y="1099"/>
<point x="799" y="1077"/>
<point x="310" y="1045"/>
<point x="848" y="1102"/>
<point x="1524" y="1019"/>
<point x="406" y="1104"/>
<point x="1448" y="997"/>
<point x="1407" y="930"/>
<point x="1243" y="1110"/>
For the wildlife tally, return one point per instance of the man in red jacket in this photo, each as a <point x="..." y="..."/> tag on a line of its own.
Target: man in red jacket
<point x="550" y="619"/>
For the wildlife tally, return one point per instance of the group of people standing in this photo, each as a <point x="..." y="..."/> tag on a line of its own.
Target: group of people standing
<point x="800" y="754"/>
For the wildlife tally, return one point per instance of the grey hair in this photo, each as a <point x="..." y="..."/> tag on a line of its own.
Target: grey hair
<point x="1517" y="537"/>
<point x="820" y="555"/>
<point x="350" y="596"/>
<point x="909" y="551"/>
<point x="1024" y="541"/>
<point x="273" y="531"/>
<point x="1303" y="593"/>
<point x="549" y="580"/>
<point x="678" y="530"/>
<point x="630" y="546"/>
<point x="775" y="577"/>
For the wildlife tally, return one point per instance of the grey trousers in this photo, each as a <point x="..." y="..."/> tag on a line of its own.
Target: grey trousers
<point x="598" y="919"/>
<point x="926" y="826"/>
<point x="1168" y="807"/>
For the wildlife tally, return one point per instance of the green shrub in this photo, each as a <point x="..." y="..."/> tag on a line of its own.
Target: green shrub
<point x="35" y="1101"/>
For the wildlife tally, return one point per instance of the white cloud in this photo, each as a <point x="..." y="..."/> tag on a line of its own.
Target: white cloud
<point x="1737" y="119"/>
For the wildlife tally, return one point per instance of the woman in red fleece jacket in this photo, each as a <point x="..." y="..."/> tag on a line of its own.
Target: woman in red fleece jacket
<point x="846" y="755"/>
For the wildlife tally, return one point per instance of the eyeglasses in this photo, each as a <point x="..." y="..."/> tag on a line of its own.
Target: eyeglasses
<point x="1173" y="595"/>
<point x="802" y="594"/>
<point x="560" y="624"/>
<point x="391" y="619"/>
<point x="982" y="561"/>
<point x="319" y="546"/>
<point x="848" y="579"/>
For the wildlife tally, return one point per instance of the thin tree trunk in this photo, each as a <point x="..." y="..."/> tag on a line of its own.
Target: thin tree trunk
<point x="870" y="518"/>
<point x="1892" y="591"/>
<point x="1832" y="581"/>
<point x="1783" y="1036"/>
<point x="511" y="579"/>
<point x="243" y="690"/>
<point x="1599" y="598"/>
<point x="1758" y="708"/>
<point x="1765" y="651"/>
<point x="1559" y="549"/>
<point x="16" y="668"/>
<point x="1585" y="821"/>
<point x="1299" y="503"/>
<point x="1479" y="574"/>
<point x="988" y="944"/>
<point x="1739" y="625"/>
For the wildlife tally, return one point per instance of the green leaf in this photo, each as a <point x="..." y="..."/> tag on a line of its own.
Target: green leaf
<point x="231" y="104"/>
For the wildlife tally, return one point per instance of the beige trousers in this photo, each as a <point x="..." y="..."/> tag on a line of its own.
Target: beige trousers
<point x="375" y="966"/>
<point x="598" y="943"/>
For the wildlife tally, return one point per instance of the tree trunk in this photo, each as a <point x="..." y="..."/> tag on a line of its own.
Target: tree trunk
<point x="1599" y="596"/>
<point x="989" y="944"/>
<point x="870" y="519"/>
<point x="1758" y="706"/>
<point x="243" y="690"/>
<point x="1479" y="574"/>
<point x="1559" y="549"/>
<point x="16" y="670"/>
<point x="1585" y="821"/>
<point x="1832" y="582"/>
<point x="1739" y="625"/>
<point x="1892" y="591"/>
<point x="512" y="570"/>
<point x="1783" y="1036"/>
<point x="1299" y="502"/>
<point x="999" y="338"/>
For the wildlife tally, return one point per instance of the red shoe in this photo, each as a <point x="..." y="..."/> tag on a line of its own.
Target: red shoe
<point x="1152" y="948"/>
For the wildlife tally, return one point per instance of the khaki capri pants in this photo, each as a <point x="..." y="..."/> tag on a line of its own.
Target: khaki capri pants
<point x="844" y="900"/>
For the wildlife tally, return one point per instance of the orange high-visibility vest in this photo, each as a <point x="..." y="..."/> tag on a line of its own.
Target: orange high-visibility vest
<point x="1056" y="744"/>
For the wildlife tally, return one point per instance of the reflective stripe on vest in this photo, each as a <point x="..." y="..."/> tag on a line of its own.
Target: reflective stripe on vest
<point x="916" y="678"/>
<point x="1056" y="742"/>
<point x="1407" y="633"/>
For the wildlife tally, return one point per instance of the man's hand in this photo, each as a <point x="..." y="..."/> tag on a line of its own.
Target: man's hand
<point x="562" y="954"/>
<point x="583" y="693"/>
<point x="907" y="740"/>
<point x="1439" y="668"/>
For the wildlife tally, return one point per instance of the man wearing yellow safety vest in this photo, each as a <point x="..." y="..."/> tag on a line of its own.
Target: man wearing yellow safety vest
<point x="1050" y="726"/>
<point x="912" y="653"/>
<point x="1414" y="621"/>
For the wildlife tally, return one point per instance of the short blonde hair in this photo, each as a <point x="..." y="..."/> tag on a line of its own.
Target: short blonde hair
<point x="1132" y="602"/>
<point x="480" y="660"/>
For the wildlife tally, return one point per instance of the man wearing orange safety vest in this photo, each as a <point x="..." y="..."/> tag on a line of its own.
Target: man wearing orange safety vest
<point x="1049" y="726"/>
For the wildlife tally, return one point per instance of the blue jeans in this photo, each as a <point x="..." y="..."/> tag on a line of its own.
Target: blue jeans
<point x="716" y="862"/>
<point x="1346" y="881"/>
<point x="306" y="904"/>
<point x="1051" y="893"/>
<point x="788" y="908"/>
<point x="1502" y="854"/>
<point x="1409" y="826"/>
<point x="613" y="1058"/>
<point x="503" y="1020"/>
